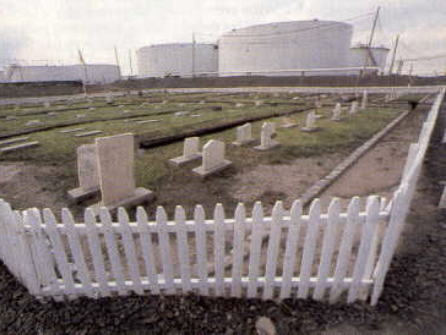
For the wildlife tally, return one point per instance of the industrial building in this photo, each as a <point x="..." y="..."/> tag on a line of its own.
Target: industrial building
<point x="2" y="76"/>
<point x="177" y="59"/>
<point x="91" y="73"/>
<point x="274" y="49"/>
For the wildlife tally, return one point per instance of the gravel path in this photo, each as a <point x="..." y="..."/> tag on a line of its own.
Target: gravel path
<point x="413" y="301"/>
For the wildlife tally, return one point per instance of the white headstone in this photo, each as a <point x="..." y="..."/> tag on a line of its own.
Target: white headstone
<point x="80" y="116"/>
<point x="266" y="140"/>
<point x="353" y="108"/>
<point x="109" y="98"/>
<point x="239" y="105"/>
<point x="365" y="97"/>
<point x="87" y="167"/>
<point x="116" y="160"/>
<point x="213" y="155"/>
<point x="318" y="104"/>
<point x="337" y="112"/>
<point x="191" y="146"/>
<point x="47" y="104"/>
<point x="244" y="135"/>
<point x="258" y="103"/>
<point x="310" y="122"/>
<point x="34" y="123"/>
<point x="213" y="159"/>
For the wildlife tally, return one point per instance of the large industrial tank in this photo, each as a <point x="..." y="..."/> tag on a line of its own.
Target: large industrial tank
<point x="177" y="59"/>
<point x="91" y="73"/>
<point x="360" y="56"/>
<point x="277" y="48"/>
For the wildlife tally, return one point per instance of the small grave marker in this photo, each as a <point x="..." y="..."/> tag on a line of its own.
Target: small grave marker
<point x="191" y="152"/>
<point x="213" y="159"/>
<point x="353" y="108"/>
<point x="337" y="112"/>
<point x="244" y="135"/>
<point x="266" y="140"/>
<point x="310" y="123"/>
<point x="89" y="133"/>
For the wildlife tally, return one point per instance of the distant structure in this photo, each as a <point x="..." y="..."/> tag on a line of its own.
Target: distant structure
<point x="177" y="59"/>
<point x="310" y="48"/>
<point x="278" y="49"/>
<point x="2" y="76"/>
<point x="91" y="73"/>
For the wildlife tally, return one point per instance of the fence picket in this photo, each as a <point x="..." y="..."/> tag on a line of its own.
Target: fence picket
<point x="273" y="250"/>
<point x="289" y="260"/>
<point x="76" y="251"/>
<point x="219" y="249"/>
<point x="330" y="234"/>
<point x="164" y="246"/>
<point x="8" y="257"/>
<point x="388" y="245"/>
<point x="96" y="252"/>
<point x="129" y="250"/>
<point x="59" y="252"/>
<point x="110" y="243"/>
<point x="183" y="249"/>
<point x="368" y="231"/>
<point x="200" y="241"/>
<point x="345" y="250"/>
<point x="309" y="249"/>
<point x="255" y="250"/>
<point x="147" y="250"/>
<point x="41" y="254"/>
<point x="237" y="251"/>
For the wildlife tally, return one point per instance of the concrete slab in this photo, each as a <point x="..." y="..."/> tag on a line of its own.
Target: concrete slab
<point x="203" y="174"/>
<point x="12" y="141"/>
<point x="142" y="195"/>
<point x="71" y="130"/>
<point x="19" y="147"/>
<point x="242" y="143"/>
<point x="89" y="133"/>
<point x="182" y="160"/>
<point x="309" y="130"/>
<point x="269" y="147"/>
<point x="147" y="121"/>
<point x="79" y="194"/>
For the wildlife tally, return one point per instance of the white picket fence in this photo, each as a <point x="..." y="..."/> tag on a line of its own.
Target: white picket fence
<point x="287" y="254"/>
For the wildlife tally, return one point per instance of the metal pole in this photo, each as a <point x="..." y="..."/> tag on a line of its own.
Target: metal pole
<point x="117" y="62"/>
<point x="193" y="55"/>
<point x="130" y="61"/>
<point x="394" y="55"/>
<point x="372" y="34"/>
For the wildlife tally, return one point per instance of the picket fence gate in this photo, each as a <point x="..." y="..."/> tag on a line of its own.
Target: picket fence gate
<point x="287" y="254"/>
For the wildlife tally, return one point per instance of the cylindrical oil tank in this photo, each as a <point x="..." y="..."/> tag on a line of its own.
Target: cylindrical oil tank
<point x="177" y="59"/>
<point x="276" y="49"/>
<point x="91" y="73"/>
<point x="360" y="56"/>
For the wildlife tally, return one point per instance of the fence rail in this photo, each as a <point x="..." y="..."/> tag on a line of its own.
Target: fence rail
<point x="325" y="256"/>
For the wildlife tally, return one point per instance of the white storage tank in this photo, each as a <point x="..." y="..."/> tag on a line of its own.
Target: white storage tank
<point x="2" y="76"/>
<point x="359" y="55"/>
<point x="177" y="59"/>
<point x="275" y="49"/>
<point x="91" y="73"/>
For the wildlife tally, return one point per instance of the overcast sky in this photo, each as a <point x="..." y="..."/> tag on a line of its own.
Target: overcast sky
<point x="53" y="30"/>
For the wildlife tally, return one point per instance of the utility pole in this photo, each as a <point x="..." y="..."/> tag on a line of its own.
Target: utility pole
<point x="369" y="45"/>
<point x="394" y="55"/>
<point x="117" y="62"/>
<point x="193" y="55"/>
<point x="130" y="61"/>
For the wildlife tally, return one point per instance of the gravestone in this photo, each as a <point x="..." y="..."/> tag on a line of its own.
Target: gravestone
<point x="18" y="147"/>
<point x="191" y="152"/>
<point x="121" y="106"/>
<point x="244" y="135"/>
<point x="87" y="173"/>
<point x="353" y="108"/>
<point x="318" y="104"/>
<point x="92" y="108"/>
<point x="126" y="111"/>
<point x="89" y="133"/>
<point x="337" y="112"/>
<point x="202" y="102"/>
<point x="51" y="114"/>
<point x="13" y="141"/>
<point x="181" y="113"/>
<point x="288" y="122"/>
<point x="310" y="123"/>
<point x="47" y="104"/>
<point x="266" y="140"/>
<point x="109" y="99"/>
<point x="80" y="116"/>
<point x="365" y="98"/>
<point x="258" y="103"/>
<point x="116" y="155"/>
<point x="73" y="130"/>
<point x="239" y="105"/>
<point x="213" y="159"/>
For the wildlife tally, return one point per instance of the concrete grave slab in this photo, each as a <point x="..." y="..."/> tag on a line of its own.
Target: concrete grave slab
<point x="266" y="141"/>
<point x="244" y="135"/>
<point x="87" y="172"/>
<point x="213" y="159"/>
<point x="71" y="130"/>
<point x="12" y="141"/>
<point x="191" y="152"/>
<point x="89" y="133"/>
<point x="19" y="147"/>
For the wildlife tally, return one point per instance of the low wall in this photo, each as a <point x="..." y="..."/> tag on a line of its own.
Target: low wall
<point x="15" y="90"/>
